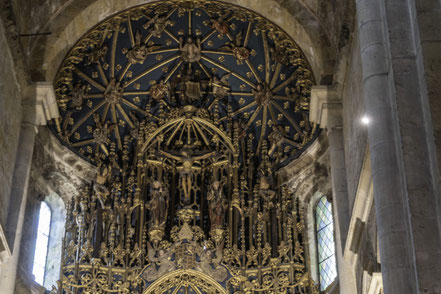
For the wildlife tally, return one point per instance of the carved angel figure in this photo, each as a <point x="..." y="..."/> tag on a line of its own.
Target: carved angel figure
<point x="190" y="52"/>
<point x="101" y="133"/>
<point x="161" y="263"/>
<point x="160" y="91"/>
<point x="219" y="24"/>
<point x="241" y="53"/>
<point x="113" y="92"/>
<point x="77" y="95"/>
<point x="139" y="52"/>
<point x="158" y="204"/>
<point x="97" y="55"/>
<point x="211" y="265"/>
<point x="216" y="203"/>
<point x="221" y="87"/>
<point x="159" y="25"/>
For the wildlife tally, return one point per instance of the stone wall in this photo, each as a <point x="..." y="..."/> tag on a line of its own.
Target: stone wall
<point x="10" y="121"/>
<point x="355" y="133"/>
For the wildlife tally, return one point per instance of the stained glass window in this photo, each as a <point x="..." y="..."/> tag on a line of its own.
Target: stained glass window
<point x="325" y="243"/>
<point x="44" y="225"/>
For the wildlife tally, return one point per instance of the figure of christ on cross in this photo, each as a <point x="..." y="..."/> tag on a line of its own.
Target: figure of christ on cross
<point x="187" y="159"/>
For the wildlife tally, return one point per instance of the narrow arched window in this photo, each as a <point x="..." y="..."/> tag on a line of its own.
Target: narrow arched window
<point x="325" y="243"/>
<point x="41" y="248"/>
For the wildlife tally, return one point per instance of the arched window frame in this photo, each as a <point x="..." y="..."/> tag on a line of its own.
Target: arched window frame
<point x="312" y="201"/>
<point x="327" y="230"/>
<point x="42" y="242"/>
<point x="56" y="234"/>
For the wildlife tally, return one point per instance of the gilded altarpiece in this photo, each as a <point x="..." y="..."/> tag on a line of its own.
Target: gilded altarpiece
<point x="188" y="109"/>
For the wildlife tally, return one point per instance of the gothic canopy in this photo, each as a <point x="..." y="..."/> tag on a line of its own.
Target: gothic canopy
<point x="228" y="62"/>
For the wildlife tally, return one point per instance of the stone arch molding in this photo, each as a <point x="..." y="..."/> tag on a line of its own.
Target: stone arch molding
<point x="182" y="278"/>
<point x="69" y="24"/>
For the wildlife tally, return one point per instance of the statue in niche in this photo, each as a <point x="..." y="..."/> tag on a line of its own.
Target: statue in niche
<point x="139" y="52"/>
<point x="220" y="25"/>
<point x="160" y="90"/>
<point x="158" y="205"/>
<point x="97" y="55"/>
<point x="159" y="25"/>
<point x="210" y="265"/>
<point x="162" y="263"/>
<point x="191" y="51"/>
<point x="99" y="187"/>
<point x="220" y="87"/>
<point x="187" y="159"/>
<point x="216" y="205"/>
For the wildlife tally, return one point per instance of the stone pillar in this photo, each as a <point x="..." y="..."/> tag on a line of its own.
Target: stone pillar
<point x="326" y="111"/>
<point x="36" y="112"/>
<point x="400" y="136"/>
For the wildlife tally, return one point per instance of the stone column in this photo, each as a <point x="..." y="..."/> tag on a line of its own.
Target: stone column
<point x="36" y="112"/>
<point x="400" y="136"/>
<point x="326" y="111"/>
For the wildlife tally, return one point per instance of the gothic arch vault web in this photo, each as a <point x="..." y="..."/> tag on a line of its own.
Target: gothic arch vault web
<point x="188" y="108"/>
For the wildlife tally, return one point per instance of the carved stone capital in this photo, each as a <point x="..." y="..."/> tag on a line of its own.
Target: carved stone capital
<point x="42" y="107"/>
<point x="326" y="107"/>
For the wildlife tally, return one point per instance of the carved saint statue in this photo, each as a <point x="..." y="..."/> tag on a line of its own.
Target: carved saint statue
<point x="216" y="203"/>
<point x="161" y="264"/>
<point x="102" y="176"/>
<point x="158" y="205"/>
<point x="190" y="52"/>
<point x="187" y="159"/>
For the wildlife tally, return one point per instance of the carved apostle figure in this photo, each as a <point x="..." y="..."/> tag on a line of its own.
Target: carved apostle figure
<point x="216" y="204"/>
<point x="158" y="205"/>
<point x="190" y="52"/>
